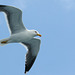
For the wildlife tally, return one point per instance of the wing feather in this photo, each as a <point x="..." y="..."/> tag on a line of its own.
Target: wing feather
<point x="14" y="18"/>
<point x="33" y="48"/>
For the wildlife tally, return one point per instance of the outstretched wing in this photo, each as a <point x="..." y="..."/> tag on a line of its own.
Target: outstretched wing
<point x="14" y="18"/>
<point x="33" y="48"/>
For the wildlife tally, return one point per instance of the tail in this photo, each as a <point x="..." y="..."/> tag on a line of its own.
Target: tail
<point x="4" y="42"/>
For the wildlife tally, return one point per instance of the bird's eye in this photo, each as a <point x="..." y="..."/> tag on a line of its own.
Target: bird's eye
<point x="35" y="31"/>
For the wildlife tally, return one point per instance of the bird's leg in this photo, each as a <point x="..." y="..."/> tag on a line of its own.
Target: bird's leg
<point x="4" y="41"/>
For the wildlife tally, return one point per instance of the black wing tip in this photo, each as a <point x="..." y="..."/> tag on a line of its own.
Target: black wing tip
<point x="25" y="72"/>
<point x="28" y="67"/>
<point x="3" y="5"/>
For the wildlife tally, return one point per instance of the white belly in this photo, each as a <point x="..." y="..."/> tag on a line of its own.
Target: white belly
<point x="20" y="37"/>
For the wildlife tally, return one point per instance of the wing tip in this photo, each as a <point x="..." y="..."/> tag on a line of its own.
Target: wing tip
<point x="25" y="72"/>
<point x="2" y="5"/>
<point x="28" y="67"/>
<point x="25" y="69"/>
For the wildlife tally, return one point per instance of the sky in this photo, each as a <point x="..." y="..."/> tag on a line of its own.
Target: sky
<point x="55" y="21"/>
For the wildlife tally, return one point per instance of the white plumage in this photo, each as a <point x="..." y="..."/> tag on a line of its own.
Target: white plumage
<point x="20" y="34"/>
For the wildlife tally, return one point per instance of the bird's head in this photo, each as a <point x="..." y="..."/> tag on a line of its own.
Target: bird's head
<point x="35" y="33"/>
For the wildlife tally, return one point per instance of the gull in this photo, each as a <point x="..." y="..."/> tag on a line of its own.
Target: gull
<point x="20" y="34"/>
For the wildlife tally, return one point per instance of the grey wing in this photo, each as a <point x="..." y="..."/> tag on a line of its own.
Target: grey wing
<point x="33" y="48"/>
<point x="14" y="18"/>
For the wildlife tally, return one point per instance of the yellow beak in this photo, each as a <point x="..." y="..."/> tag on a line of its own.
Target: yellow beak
<point x="39" y="35"/>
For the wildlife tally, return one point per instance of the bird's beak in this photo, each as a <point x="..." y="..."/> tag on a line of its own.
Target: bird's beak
<point x="39" y="35"/>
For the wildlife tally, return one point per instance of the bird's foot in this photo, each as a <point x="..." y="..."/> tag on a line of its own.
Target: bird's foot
<point x="4" y="41"/>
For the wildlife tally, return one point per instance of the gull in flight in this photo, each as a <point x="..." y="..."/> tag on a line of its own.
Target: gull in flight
<point x="19" y="34"/>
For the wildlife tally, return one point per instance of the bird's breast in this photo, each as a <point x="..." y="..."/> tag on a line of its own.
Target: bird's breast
<point x="20" y="37"/>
